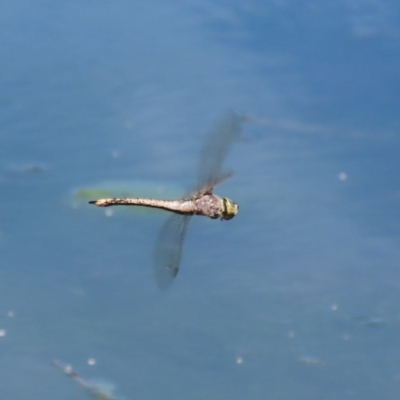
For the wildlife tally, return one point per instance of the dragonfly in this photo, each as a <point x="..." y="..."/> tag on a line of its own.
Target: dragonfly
<point x="98" y="391"/>
<point x="202" y="201"/>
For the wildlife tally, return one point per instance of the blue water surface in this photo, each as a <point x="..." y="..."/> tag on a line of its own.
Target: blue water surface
<point x="299" y="295"/>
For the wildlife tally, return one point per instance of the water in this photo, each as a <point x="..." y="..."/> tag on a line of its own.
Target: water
<point x="298" y="295"/>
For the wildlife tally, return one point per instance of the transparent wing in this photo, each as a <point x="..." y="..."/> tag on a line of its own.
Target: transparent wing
<point x="215" y="150"/>
<point x="169" y="249"/>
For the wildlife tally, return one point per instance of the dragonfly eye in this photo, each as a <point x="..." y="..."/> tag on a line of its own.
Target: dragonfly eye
<point x="230" y="208"/>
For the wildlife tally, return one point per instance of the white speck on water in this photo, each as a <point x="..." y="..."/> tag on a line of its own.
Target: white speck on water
<point x="68" y="369"/>
<point x="3" y="332"/>
<point x="91" y="362"/>
<point x="342" y="176"/>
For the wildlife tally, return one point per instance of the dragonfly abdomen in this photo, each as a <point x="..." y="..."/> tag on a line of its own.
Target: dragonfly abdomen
<point x="180" y="206"/>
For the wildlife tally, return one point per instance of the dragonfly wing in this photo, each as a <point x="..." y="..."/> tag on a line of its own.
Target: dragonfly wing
<point x="216" y="149"/>
<point x="209" y="187"/>
<point x="169" y="249"/>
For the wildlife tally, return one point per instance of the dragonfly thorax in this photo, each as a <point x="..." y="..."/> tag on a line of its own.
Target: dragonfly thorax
<point x="213" y="206"/>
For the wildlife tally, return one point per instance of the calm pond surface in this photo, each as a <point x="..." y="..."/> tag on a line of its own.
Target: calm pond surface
<point x="298" y="296"/>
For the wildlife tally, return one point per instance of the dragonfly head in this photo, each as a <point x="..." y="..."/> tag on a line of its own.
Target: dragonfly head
<point x="230" y="208"/>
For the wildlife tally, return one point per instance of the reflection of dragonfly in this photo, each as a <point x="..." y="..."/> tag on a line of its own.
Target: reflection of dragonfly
<point x="99" y="391"/>
<point x="202" y="202"/>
